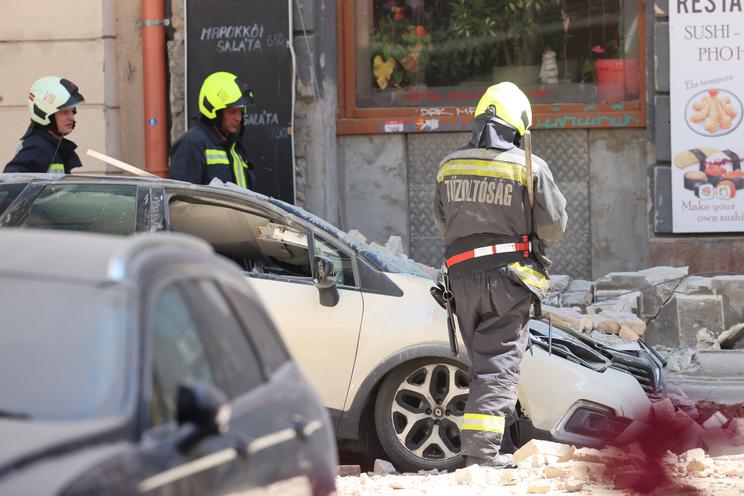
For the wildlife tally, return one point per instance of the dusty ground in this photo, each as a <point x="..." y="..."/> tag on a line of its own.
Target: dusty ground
<point x="550" y="479"/>
<point x="488" y="483"/>
<point x="552" y="468"/>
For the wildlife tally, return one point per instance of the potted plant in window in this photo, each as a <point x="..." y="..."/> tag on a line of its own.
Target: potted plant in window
<point x="615" y="74"/>
<point x="399" y="50"/>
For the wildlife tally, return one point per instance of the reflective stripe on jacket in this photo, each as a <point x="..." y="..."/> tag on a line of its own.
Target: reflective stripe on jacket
<point x="41" y="152"/>
<point x="200" y="155"/>
<point x="481" y="199"/>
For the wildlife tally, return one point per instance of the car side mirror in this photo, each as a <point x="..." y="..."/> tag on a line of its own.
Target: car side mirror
<point x="324" y="277"/>
<point x="205" y="407"/>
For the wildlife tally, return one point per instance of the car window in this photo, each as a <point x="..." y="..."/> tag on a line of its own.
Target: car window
<point x="341" y="261"/>
<point x="256" y="242"/>
<point x="8" y="192"/>
<point x="237" y="369"/>
<point x="178" y="351"/>
<point x="262" y="331"/>
<point x="65" y="349"/>
<point x="101" y="208"/>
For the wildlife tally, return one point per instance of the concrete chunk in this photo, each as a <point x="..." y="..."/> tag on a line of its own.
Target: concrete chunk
<point x="690" y="437"/>
<point x="736" y="426"/>
<point x="719" y="442"/>
<point x="617" y="301"/>
<point x="383" y="467"/>
<point x="540" y="447"/>
<point x="559" y="282"/>
<point x="663" y="409"/>
<point x="731" y="289"/>
<point x="696" y="285"/>
<point x="715" y="421"/>
<point x="706" y="340"/>
<point x="656" y="285"/>
<point x="679" y="321"/>
<point x="573" y="485"/>
<point x="578" y="294"/>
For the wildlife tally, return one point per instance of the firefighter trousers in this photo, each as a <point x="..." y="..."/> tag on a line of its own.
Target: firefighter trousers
<point x="492" y="311"/>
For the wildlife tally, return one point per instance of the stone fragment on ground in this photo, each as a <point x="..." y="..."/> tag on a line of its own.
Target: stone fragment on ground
<point x="534" y="447"/>
<point x="383" y="467"/>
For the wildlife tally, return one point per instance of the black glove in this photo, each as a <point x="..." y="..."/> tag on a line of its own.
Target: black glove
<point x="539" y="252"/>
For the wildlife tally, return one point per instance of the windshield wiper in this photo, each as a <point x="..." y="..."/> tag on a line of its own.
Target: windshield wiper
<point x="14" y="415"/>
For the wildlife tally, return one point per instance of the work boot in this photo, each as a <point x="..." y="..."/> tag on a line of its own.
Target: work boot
<point x="499" y="461"/>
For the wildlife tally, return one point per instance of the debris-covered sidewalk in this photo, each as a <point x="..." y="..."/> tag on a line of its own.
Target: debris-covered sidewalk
<point x="551" y="468"/>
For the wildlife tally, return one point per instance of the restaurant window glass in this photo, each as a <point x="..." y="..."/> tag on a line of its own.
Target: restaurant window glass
<point x="421" y="53"/>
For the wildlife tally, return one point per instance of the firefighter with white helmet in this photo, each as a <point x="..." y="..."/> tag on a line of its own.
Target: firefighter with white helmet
<point x="496" y="216"/>
<point x="211" y="148"/>
<point x="52" y="105"/>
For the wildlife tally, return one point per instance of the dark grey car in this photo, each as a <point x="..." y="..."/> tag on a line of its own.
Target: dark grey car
<point x="145" y="365"/>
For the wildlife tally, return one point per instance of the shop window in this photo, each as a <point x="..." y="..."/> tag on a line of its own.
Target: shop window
<point x="423" y="59"/>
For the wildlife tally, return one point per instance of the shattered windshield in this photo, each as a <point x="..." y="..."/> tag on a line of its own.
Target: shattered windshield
<point x="383" y="259"/>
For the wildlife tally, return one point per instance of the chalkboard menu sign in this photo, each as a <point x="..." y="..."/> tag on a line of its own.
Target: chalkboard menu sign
<point x="249" y="39"/>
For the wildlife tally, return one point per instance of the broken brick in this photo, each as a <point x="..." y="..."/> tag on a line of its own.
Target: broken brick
<point x="663" y="409"/>
<point x="715" y="421"/>
<point x="349" y="470"/>
<point x="536" y="446"/>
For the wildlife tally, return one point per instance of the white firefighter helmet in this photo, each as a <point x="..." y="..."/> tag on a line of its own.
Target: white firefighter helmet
<point x="51" y="94"/>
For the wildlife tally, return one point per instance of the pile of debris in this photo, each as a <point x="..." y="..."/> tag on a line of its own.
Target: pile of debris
<point x="673" y="311"/>
<point x="671" y="451"/>
<point x="668" y="307"/>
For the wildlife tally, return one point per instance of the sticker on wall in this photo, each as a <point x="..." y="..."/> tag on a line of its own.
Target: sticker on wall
<point x="394" y="126"/>
<point x="427" y="124"/>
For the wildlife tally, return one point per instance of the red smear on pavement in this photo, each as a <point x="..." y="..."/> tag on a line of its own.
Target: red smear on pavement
<point x="655" y="437"/>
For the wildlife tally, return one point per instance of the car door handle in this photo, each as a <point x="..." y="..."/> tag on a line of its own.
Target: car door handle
<point x="300" y="426"/>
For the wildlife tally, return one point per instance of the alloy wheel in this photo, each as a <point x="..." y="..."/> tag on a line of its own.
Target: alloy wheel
<point x="427" y="411"/>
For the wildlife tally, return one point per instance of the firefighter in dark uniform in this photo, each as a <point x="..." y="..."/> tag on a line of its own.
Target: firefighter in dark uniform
<point x="211" y="148"/>
<point x="52" y="103"/>
<point x="493" y="256"/>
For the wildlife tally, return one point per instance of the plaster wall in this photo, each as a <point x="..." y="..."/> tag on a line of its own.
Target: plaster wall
<point x="84" y="52"/>
<point x="373" y="186"/>
<point x="618" y="166"/>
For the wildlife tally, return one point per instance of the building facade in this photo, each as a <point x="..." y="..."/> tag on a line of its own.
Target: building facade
<point x="386" y="88"/>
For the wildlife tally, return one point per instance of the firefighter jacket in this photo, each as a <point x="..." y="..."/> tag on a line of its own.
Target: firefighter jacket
<point x="481" y="200"/>
<point x="202" y="154"/>
<point x="41" y="152"/>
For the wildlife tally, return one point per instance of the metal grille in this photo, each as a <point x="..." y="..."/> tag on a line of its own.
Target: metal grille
<point x="567" y="154"/>
<point x="425" y="151"/>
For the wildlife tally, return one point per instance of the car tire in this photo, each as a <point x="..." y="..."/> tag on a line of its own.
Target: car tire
<point x="418" y="413"/>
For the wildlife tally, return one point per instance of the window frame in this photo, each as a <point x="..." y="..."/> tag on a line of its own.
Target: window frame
<point x="357" y="120"/>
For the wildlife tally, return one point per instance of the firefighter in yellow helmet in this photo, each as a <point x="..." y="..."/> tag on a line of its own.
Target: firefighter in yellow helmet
<point x="211" y="148"/>
<point x="494" y="264"/>
<point x="52" y="105"/>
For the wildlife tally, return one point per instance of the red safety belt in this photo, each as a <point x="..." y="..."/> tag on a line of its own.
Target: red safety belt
<point x="483" y="251"/>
